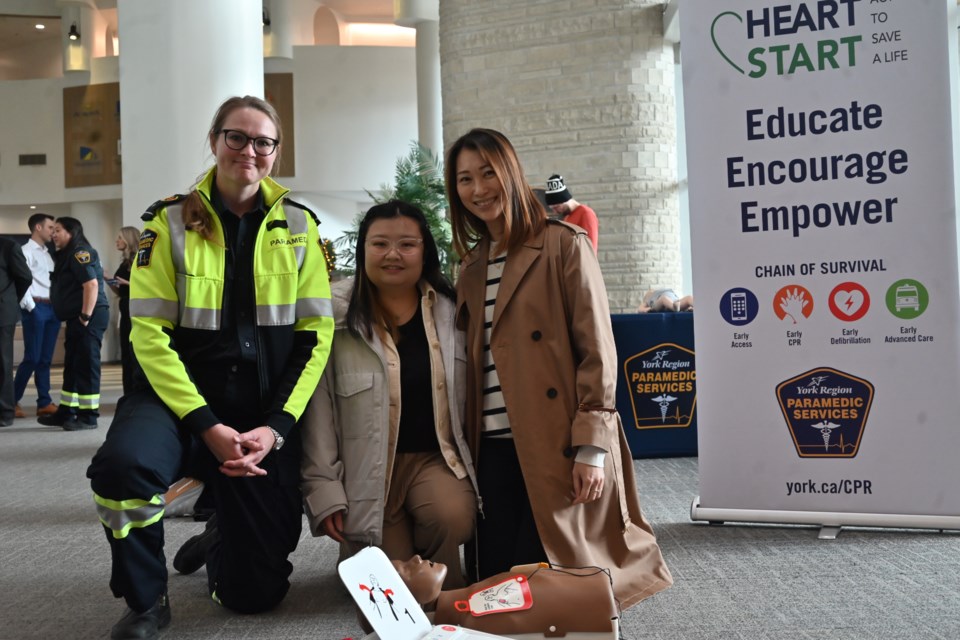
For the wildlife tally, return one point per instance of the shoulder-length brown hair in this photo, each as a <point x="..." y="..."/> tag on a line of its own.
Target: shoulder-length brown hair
<point x="522" y="213"/>
<point x="195" y="215"/>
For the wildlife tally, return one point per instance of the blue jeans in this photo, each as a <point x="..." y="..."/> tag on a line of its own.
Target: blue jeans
<point x="40" y="330"/>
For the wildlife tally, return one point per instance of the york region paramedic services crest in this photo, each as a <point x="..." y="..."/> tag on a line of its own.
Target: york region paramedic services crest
<point x="662" y="382"/>
<point x="148" y="241"/>
<point x="826" y="412"/>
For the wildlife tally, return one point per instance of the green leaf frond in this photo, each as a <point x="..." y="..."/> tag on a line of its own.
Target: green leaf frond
<point x="418" y="180"/>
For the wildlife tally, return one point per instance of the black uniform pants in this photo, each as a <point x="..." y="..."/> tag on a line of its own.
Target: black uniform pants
<point x="259" y="519"/>
<point x="80" y="394"/>
<point x="127" y="360"/>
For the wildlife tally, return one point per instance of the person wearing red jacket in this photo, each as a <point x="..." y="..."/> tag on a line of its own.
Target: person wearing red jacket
<point x="569" y="210"/>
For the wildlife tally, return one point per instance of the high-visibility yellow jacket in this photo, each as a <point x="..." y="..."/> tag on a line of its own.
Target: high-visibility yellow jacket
<point x="177" y="287"/>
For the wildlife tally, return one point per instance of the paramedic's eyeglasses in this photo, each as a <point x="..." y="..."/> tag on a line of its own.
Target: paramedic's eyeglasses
<point x="404" y="246"/>
<point x="238" y="140"/>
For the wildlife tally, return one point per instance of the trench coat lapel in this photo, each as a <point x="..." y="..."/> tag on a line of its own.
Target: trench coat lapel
<point x="519" y="262"/>
<point x="472" y="279"/>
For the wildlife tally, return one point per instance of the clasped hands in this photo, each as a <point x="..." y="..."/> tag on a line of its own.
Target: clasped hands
<point x="239" y="454"/>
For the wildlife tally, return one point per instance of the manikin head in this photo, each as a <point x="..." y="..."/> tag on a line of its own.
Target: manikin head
<point x="424" y="578"/>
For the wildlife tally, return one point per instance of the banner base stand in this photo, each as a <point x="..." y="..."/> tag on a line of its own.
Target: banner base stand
<point x="829" y="533"/>
<point x="829" y="522"/>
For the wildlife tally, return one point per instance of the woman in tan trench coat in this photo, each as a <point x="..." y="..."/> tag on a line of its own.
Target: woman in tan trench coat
<point x="554" y="471"/>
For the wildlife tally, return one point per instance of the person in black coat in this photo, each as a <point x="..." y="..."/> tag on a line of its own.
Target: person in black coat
<point x="15" y="279"/>
<point x="127" y="243"/>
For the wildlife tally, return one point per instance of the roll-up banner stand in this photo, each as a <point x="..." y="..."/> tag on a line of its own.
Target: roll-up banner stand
<point x="821" y="163"/>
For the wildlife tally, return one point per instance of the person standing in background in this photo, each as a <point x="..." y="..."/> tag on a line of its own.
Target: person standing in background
<point x="79" y="299"/>
<point x="40" y="324"/>
<point x="569" y="210"/>
<point x="15" y="279"/>
<point x="127" y="241"/>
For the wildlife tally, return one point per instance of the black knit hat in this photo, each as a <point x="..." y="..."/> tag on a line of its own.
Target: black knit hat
<point x="557" y="192"/>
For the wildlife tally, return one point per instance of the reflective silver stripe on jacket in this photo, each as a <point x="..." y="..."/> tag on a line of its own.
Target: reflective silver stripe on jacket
<point x="193" y="318"/>
<point x="298" y="226"/>
<point x="314" y="307"/>
<point x="189" y="317"/>
<point x="122" y="515"/>
<point x="273" y="315"/>
<point x="178" y="240"/>
<point x="286" y="314"/>
<point x="178" y="235"/>
<point x="155" y="308"/>
<point x="278" y="315"/>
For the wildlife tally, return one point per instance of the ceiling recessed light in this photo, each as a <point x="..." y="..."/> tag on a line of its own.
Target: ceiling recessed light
<point x="33" y="206"/>
<point x="41" y="26"/>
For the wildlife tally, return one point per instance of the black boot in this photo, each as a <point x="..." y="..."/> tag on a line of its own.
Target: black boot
<point x="76" y="424"/>
<point x="56" y="419"/>
<point x="143" y="626"/>
<point x="193" y="554"/>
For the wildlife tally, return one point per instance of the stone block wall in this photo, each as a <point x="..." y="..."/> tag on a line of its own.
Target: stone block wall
<point x="584" y="88"/>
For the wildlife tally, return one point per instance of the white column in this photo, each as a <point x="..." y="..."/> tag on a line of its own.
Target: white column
<point x="181" y="59"/>
<point x="424" y="15"/>
<point x="429" y="105"/>
<point x="278" y="36"/>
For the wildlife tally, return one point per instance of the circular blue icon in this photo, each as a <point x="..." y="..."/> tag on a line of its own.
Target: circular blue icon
<point x="739" y="306"/>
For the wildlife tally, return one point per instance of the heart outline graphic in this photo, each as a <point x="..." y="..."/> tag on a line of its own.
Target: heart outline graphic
<point x="713" y="37"/>
<point x="845" y="293"/>
<point x="850" y="303"/>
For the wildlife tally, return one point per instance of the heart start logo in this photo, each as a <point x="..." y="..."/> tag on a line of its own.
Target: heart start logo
<point x="786" y="55"/>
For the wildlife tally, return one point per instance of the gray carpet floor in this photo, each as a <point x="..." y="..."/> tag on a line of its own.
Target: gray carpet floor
<point x="734" y="581"/>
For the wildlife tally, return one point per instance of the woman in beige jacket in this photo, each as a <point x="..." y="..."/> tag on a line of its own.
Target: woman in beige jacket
<point x="553" y="465"/>
<point x="385" y="459"/>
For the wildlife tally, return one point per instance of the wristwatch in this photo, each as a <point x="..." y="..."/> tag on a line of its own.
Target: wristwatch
<point x="85" y="317"/>
<point x="278" y="438"/>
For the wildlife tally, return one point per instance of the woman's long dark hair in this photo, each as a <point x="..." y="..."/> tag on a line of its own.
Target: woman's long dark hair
<point x="365" y="310"/>
<point x="75" y="229"/>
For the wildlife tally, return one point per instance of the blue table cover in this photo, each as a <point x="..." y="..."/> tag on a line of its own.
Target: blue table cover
<point x="656" y="383"/>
